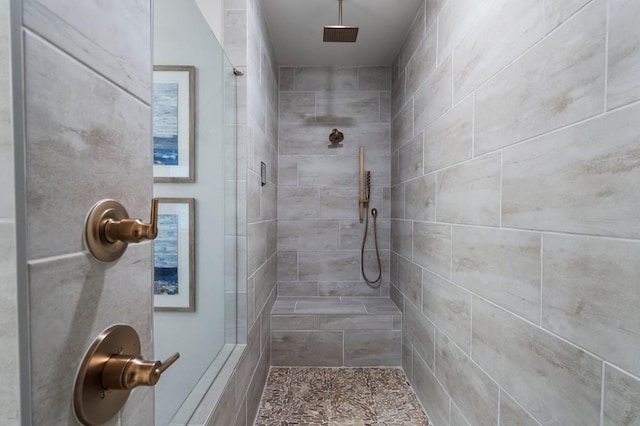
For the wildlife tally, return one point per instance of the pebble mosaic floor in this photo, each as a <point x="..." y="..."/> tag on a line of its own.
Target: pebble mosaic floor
<point x="339" y="397"/>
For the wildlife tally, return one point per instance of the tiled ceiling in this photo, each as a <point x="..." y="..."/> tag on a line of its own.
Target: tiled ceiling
<point x="296" y="28"/>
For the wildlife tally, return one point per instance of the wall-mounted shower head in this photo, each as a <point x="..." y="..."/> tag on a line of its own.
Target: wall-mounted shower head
<point x="336" y="136"/>
<point x="340" y="33"/>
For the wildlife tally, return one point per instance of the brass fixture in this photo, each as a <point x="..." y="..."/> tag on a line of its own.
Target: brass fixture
<point x="237" y="72"/>
<point x="335" y="137"/>
<point x="364" y="194"/>
<point x="108" y="229"/>
<point x="340" y="33"/>
<point x="111" y="368"/>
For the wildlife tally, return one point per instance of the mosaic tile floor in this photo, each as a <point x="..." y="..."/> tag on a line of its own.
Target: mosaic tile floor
<point x="339" y="397"/>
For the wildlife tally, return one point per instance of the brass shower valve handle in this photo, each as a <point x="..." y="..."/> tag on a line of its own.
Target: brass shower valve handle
<point x="132" y="230"/>
<point x="127" y="372"/>
<point x="109" y="230"/>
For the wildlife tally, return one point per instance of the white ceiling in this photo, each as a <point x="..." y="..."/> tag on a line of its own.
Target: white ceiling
<point x="296" y="28"/>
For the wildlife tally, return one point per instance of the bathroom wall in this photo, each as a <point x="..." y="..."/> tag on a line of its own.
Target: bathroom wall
<point x="85" y="84"/>
<point x="9" y="392"/>
<point x="248" y="45"/>
<point x="515" y="210"/>
<point x="319" y="232"/>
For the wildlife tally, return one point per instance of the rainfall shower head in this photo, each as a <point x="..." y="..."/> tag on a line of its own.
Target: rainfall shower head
<point x="340" y="33"/>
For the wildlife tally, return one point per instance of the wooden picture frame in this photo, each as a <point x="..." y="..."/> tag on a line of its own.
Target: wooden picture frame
<point x="173" y="116"/>
<point x="174" y="256"/>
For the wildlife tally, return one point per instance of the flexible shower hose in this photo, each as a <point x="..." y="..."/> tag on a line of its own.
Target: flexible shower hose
<point x="374" y="213"/>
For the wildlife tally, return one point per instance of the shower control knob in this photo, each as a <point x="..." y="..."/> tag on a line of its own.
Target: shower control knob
<point x="128" y="372"/>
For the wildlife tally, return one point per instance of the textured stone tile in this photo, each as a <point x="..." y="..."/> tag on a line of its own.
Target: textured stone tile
<point x="332" y="171"/>
<point x="298" y="203"/>
<point x="435" y="96"/>
<point x="375" y="138"/>
<point x="411" y="158"/>
<point x="500" y="265"/>
<point x="470" y="192"/>
<point x="340" y="265"/>
<point x="109" y="49"/>
<point x="284" y="306"/>
<point x="385" y="107"/>
<point x="296" y="288"/>
<point x="287" y="265"/>
<point x="338" y="203"/>
<point x="254" y="196"/>
<point x="448" y="140"/>
<point x="372" y="348"/>
<point x="513" y="414"/>
<point x="401" y="237"/>
<point x="374" y="78"/>
<point x="568" y="84"/>
<point x="456" y="418"/>
<point x="306" y="348"/>
<point x="84" y="133"/>
<point x="347" y="107"/>
<point x="420" y="332"/>
<point x="416" y="34"/>
<point x="323" y="305"/>
<point x="474" y="392"/>
<point x="397" y="201"/>
<point x="409" y="280"/>
<point x="297" y="107"/>
<point x="235" y="36"/>
<point x="304" y="139"/>
<point x="557" y="11"/>
<point x="420" y="198"/>
<point x="378" y="305"/>
<point x="9" y="373"/>
<point x="591" y="295"/>
<point x="407" y="359"/>
<point x="432" y="247"/>
<point x="423" y="63"/>
<point x="398" y="98"/>
<point x="402" y="127"/>
<point x="507" y="29"/>
<point x="326" y="78"/>
<point x="430" y="392"/>
<point x="621" y="395"/>
<point x="294" y="322"/>
<point x="265" y="282"/>
<point x="578" y="180"/>
<point x="623" y="74"/>
<point x="308" y="234"/>
<point x="448" y="307"/>
<point x="554" y="381"/>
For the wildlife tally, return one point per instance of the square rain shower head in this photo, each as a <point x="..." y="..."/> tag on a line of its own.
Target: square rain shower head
<point x="340" y="34"/>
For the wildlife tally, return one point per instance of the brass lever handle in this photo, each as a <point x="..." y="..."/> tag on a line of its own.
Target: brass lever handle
<point x="108" y="229"/>
<point x="125" y="372"/>
<point x="132" y="230"/>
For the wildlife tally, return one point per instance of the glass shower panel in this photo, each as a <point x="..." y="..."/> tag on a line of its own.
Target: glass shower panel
<point x="205" y="336"/>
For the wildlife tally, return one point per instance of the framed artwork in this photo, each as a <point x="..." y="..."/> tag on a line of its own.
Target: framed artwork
<point x="174" y="256"/>
<point x="173" y="112"/>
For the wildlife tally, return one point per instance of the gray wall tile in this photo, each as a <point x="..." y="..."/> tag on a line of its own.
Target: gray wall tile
<point x="456" y="418"/>
<point x="423" y="62"/>
<point x="623" y="83"/>
<point x="401" y="238"/>
<point x="356" y="322"/>
<point x="374" y="78"/>
<point x="347" y="289"/>
<point x="474" y="392"/>
<point x="500" y="265"/>
<point x="402" y="127"/>
<point x="308" y="234"/>
<point x="340" y="265"/>
<point x="420" y="198"/>
<point x="506" y="30"/>
<point x="435" y="96"/>
<point x="352" y="231"/>
<point x="470" y="192"/>
<point x="295" y="288"/>
<point x="294" y="322"/>
<point x="430" y="392"/>
<point x="304" y="139"/>
<point x="285" y="78"/>
<point x="297" y="107"/>
<point x="347" y="107"/>
<point x="576" y="305"/>
<point x="569" y="84"/>
<point x="287" y="265"/>
<point x="513" y="414"/>
<point x="419" y="331"/>
<point x="449" y="308"/>
<point x="372" y="348"/>
<point x="576" y="180"/>
<point x="557" y="11"/>
<point x="397" y="95"/>
<point x="556" y="382"/>
<point x="306" y="348"/>
<point x="398" y="201"/>
<point x="621" y="395"/>
<point x="432" y="247"/>
<point x="326" y="78"/>
<point x="298" y="203"/>
<point x="449" y="139"/>
<point x="410" y="160"/>
<point x="455" y="21"/>
<point x="409" y="280"/>
<point x="415" y="35"/>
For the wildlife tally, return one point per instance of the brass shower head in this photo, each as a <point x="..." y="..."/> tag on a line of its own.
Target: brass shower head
<point x="340" y="33"/>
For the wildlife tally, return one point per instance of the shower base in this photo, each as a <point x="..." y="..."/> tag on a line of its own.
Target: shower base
<point x="339" y="396"/>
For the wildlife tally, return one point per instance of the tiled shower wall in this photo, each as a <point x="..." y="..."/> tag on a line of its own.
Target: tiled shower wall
<point x="515" y="210"/>
<point x="319" y="233"/>
<point x="9" y="392"/>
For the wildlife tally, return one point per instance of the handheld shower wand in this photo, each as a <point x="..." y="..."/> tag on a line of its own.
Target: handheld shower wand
<point x="365" y="195"/>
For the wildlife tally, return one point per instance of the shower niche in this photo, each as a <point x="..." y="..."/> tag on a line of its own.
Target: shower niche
<point x="195" y="255"/>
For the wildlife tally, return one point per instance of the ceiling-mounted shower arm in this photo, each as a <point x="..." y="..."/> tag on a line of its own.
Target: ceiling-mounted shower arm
<point x="340" y="12"/>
